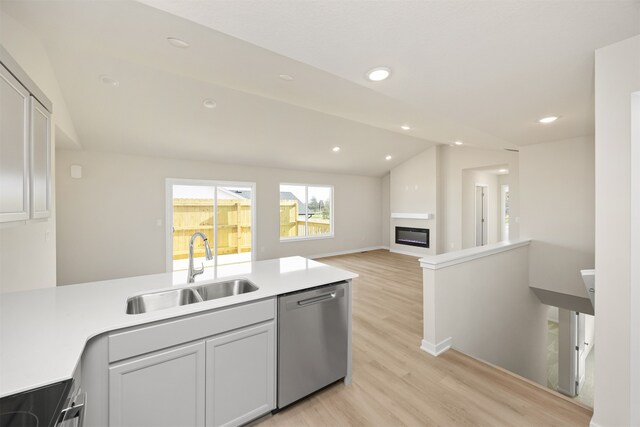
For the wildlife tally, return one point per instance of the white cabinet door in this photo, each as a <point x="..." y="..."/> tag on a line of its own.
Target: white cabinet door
<point x="164" y="389"/>
<point x="14" y="149"/>
<point x="240" y="375"/>
<point x="40" y="161"/>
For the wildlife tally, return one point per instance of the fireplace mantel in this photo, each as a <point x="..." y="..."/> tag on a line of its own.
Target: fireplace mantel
<point x="396" y="215"/>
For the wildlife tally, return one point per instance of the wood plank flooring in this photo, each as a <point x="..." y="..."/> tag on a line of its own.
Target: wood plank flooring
<point x="395" y="383"/>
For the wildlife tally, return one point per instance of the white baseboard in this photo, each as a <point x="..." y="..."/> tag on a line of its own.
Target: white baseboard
<point x="592" y="424"/>
<point x="436" y="349"/>
<point x="347" y="252"/>
<point x="410" y="253"/>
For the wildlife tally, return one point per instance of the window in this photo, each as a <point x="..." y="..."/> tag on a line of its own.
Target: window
<point x="230" y="231"/>
<point x="306" y="211"/>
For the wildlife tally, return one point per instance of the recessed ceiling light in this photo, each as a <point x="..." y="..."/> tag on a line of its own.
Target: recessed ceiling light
<point x="503" y="170"/>
<point x="110" y="81"/>
<point x="209" y="103"/>
<point x="405" y="127"/>
<point x="286" y="77"/>
<point x="388" y="157"/>
<point x="458" y="142"/>
<point x="378" y="74"/>
<point x="177" y="42"/>
<point x="547" y="120"/>
<point x="335" y="149"/>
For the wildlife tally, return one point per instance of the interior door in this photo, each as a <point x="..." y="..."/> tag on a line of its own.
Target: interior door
<point x="481" y="215"/>
<point x="504" y="212"/>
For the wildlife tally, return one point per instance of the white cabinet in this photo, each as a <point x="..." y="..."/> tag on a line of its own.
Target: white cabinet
<point x="40" y="148"/>
<point x="240" y="375"/>
<point x="159" y="374"/>
<point x="166" y="388"/>
<point x="25" y="152"/>
<point x="14" y="148"/>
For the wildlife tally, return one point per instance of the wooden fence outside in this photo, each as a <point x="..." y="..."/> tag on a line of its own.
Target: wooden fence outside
<point x="292" y="226"/>
<point x="191" y="215"/>
<point x="234" y="225"/>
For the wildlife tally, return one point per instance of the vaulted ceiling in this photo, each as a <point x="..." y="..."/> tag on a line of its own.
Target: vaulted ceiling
<point x="481" y="71"/>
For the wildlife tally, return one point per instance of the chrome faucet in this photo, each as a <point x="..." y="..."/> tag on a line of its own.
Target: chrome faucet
<point x="193" y="272"/>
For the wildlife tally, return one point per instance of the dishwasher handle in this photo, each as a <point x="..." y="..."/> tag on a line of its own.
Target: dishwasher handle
<point x="300" y="301"/>
<point x="320" y="298"/>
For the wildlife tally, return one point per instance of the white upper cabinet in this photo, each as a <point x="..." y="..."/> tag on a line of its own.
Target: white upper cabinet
<point x="14" y="148"/>
<point x="40" y="160"/>
<point x="25" y="147"/>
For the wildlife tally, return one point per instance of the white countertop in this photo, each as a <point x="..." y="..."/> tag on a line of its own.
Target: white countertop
<point x="43" y="332"/>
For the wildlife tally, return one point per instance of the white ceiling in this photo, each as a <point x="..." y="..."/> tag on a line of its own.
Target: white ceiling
<point x="479" y="71"/>
<point x="495" y="66"/>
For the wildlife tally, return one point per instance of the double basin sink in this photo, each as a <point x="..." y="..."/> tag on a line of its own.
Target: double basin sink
<point x="177" y="297"/>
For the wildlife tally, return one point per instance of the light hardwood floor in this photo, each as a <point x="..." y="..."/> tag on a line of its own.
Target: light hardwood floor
<point x="395" y="383"/>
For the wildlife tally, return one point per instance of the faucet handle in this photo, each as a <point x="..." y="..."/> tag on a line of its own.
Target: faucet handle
<point x="199" y="270"/>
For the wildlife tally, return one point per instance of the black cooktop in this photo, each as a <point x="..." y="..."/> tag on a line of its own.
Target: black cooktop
<point x="34" y="408"/>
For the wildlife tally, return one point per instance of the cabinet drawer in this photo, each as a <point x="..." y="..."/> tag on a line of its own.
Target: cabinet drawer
<point x="140" y="340"/>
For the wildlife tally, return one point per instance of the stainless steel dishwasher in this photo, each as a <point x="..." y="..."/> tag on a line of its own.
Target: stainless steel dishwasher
<point x="312" y="340"/>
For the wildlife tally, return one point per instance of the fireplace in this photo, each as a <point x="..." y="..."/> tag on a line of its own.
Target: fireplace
<point x="412" y="236"/>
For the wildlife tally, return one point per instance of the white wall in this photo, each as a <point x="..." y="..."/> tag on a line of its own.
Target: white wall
<point x="471" y="178"/>
<point x="486" y="307"/>
<point x="386" y="209"/>
<point x="107" y="220"/>
<point x="28" y="248"/>
<point x="413" y="188"/>
<point x="453" y="160"/>
<point x="634" y="300"/>
<point x="557" y="212"/>
<point x="617" y="76"/>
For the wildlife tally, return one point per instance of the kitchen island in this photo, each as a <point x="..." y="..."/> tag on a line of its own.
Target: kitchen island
<point x="43" y="333"/>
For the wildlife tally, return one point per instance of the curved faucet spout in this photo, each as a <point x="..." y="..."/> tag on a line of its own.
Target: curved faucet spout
<point x="193" y="272"/>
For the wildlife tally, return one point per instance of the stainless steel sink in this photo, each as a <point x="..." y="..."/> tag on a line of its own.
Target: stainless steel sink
<point x="225" y="289"/>
<point x="176" y="297"/>
<point x="161" y="300"/>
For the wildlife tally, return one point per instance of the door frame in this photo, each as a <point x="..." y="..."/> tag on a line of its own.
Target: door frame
<point x="170" y="182"/>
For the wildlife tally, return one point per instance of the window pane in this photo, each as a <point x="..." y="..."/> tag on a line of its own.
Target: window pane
<point x="234" y="225"/>
<point x="292" y="211"/>
<point x="192" y="211"/>
<point x="319" y="211"/>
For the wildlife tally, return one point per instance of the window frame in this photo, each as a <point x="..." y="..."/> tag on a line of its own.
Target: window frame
<point x="331" y="235"/>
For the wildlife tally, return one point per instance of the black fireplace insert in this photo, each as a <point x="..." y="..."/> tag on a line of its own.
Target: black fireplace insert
<point x="412" y="236"/>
